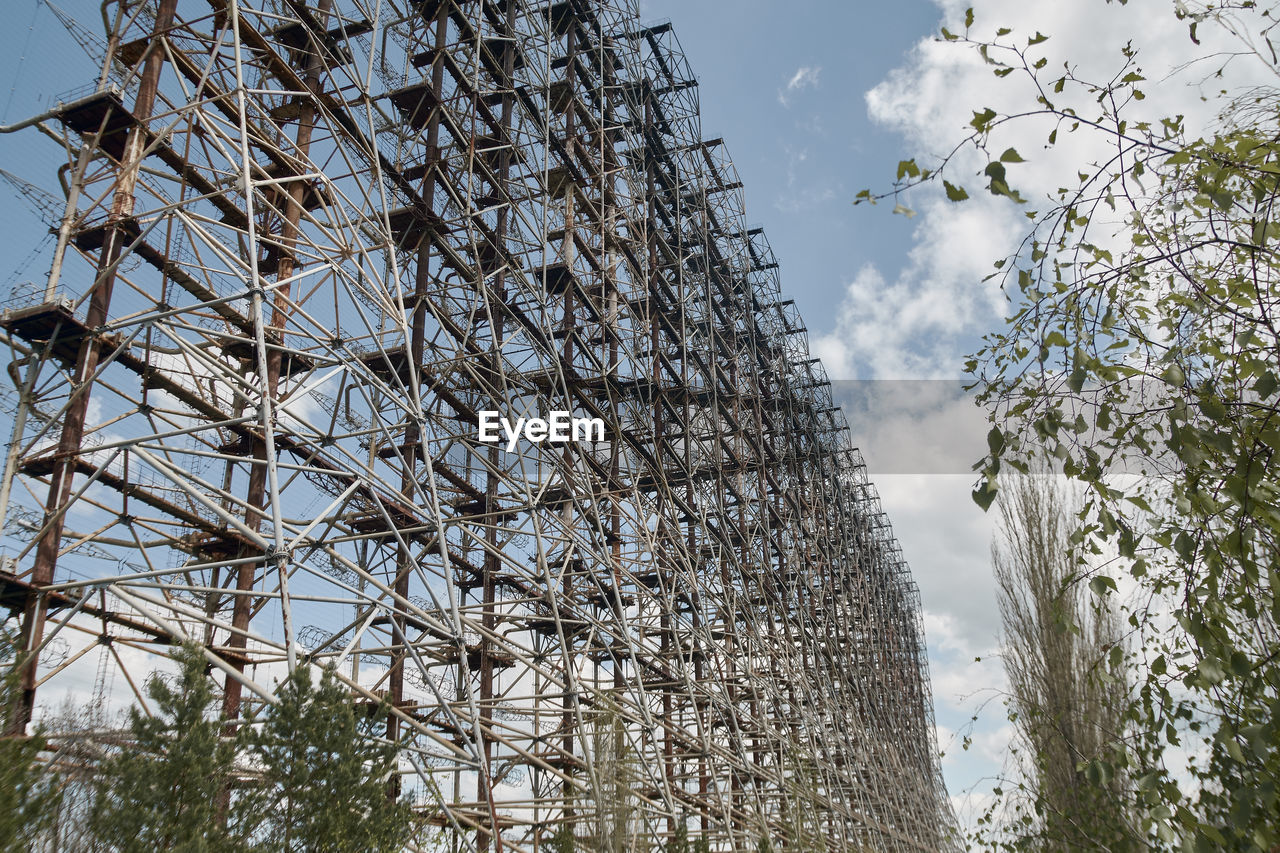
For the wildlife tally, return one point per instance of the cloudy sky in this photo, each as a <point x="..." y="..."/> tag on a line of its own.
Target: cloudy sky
<point x="817" y="100"/>
<point x="884" y="297"/>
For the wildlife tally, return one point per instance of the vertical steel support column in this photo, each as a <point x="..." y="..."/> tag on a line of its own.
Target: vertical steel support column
<point x="35" y="609"/>
<point x="417" y="348"/>
<point x="256" y="496"/>
<point x="491" y="565"/>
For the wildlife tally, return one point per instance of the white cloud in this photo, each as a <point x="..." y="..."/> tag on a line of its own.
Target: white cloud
<point x="922" y="319"/>
<point x="805" y="77"/>
<point x="914" y="426"/>
<point x="908" y="328"/>
<point x="946" y="539"/>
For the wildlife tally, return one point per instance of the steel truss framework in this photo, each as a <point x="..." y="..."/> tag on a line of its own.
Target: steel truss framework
<point x="305" y="242"/>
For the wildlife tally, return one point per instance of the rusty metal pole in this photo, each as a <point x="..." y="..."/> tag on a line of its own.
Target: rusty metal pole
<point x="491" y="565"/>
<point x="115" y="239"/>
<point x="286" y="265"/>
<point x="419" y="317"/>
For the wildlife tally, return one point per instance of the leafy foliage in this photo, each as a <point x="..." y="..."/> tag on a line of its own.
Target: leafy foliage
<point x="29" y="796"/>
<point x="613" y="825"/>
<point x="324" y="777"/>
<point x="163" y="791"/>
<point x="311" y="776"/>
<point x="1068" y="680"/>
<point x="1143" y="339"/>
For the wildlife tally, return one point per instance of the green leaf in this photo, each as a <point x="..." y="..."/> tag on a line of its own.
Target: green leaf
<point x="1266" y="385"/>
<point x="1075" y="381"/>
<point x="1212" y="407"/>
<point x="1241" y="664"/>
<point x="995" y="441"/>
<point x="1211" y="670"/>
<point x="954" y="193"/>
<point x="981" y="121"/>
<point x="1101" y="584"/>
<point x="1259" y="233"/>
<point x="1010" y="155"/>
<point x="1185" y="546"/>
<point x="968" y="17"/>
<point x="984" y="494"/>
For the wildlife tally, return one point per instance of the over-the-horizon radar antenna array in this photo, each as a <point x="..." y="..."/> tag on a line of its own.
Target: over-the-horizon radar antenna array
<point x="303" y="246"/>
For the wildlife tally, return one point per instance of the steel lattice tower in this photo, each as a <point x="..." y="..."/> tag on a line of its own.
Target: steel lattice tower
<point x="305" y="243"/>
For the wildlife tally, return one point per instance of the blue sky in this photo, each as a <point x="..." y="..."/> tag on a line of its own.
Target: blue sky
<point x="815" y="100"/>
<point x="785" y="86"/>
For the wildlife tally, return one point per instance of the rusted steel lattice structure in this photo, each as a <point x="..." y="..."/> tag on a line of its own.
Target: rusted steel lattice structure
<point x="305" y="243"/>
